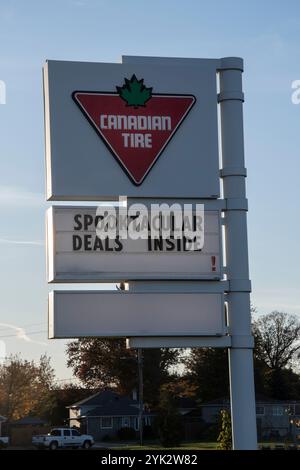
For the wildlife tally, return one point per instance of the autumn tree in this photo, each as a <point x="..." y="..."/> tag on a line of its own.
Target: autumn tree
<point x="106" y="362"/>
<point x="25" y="387"/>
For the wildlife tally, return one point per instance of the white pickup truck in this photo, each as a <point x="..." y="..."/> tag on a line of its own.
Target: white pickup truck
<point x="4" y="441"/>
<point x="63" y="437"/>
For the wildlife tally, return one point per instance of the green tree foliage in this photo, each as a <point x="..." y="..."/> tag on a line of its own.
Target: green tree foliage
<point x="106" y="362"/>
<point x="225" y="438"/>
<point x="65" y="396"/>
<point x="282" y="384"/>
<point x="276" y="352"/>
<point x="207" y="370"/>
<point x="169" y="421"/>
<point x="25" y="387"/>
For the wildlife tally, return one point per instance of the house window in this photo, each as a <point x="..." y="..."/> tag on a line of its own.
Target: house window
<point x="260" y="410"/>
<point x="107" y="422"/>
<point x="126" y="422"/>
<point x="277" y="411"/>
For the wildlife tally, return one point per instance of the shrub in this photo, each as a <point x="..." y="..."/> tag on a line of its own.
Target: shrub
<point x="126" y="434"/>
<point x="224" y="438"/>
<point x="209" y="433"/>
<point x="149" y="432"/>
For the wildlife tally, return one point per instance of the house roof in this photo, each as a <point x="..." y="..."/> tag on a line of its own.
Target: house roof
<point x="2" y="419"/>
<point x="121" y="409"/>
<point x="30" y="420"/>
<point x="260" y="400"/>
<point x="116" y="406"/>
<point x="108" y="403"/>
<point x="98" y="398"/>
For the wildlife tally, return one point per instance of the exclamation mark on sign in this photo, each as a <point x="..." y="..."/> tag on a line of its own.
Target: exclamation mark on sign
<point x="213" y="263"/>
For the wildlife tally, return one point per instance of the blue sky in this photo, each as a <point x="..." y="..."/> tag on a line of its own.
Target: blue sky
<point x="266" y="34"/>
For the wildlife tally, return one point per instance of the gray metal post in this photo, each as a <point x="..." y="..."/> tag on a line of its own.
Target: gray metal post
<point x="243" y="411"/>
<point x="141" y="394"/>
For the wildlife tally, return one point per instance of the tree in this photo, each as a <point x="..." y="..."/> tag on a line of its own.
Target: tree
<point x="106" y="362"/>
<point x="65" y="396"/>
<point x="25" y="387"/>
<point x="207" y="370"/>
<point x="169" y="421"/>
<point x="276" y="351"/>
<point x="277" y="336"/>
<point x="225" y="437"/>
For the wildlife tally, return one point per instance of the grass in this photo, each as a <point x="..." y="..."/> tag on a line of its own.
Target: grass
<point x="190" y="446"/>
<point x="184" y="446"/>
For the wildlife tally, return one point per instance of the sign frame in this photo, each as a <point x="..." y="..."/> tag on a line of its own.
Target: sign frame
<point x="145" y="314"/>
<point x="71" y="141"/>
<point x="119" y="275"/>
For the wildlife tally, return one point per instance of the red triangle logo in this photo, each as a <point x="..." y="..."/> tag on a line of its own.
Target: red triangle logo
<point x="136" y="127"/>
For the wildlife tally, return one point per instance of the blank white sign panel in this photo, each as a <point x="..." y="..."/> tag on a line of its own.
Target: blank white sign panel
<point x="77" y="314"/>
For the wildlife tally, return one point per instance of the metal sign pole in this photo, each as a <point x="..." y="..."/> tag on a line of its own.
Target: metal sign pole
<point x="243" y="413"/>
<point x="141" y="395"/>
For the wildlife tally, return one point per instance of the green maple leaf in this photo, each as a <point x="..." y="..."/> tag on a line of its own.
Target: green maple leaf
<point x="134" y="92"/>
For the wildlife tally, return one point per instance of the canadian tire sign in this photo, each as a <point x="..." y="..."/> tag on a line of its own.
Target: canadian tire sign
<point x="143" y="130"/>
<point x="135" y="123"/>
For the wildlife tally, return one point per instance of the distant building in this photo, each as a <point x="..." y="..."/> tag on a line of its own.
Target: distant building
<point x="275" y="418"/>
<point x="105" y="413"/>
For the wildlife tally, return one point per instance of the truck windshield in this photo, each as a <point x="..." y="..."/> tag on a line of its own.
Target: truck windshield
<point x="55" y="432"/>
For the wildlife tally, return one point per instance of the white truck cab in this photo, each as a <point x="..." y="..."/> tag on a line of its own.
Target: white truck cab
<point x="4" y="441"/>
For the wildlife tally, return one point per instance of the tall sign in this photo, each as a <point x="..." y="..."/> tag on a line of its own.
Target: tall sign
<point x="148" y="129"/>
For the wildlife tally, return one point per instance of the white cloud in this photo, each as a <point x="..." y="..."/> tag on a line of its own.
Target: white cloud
<point x="20" y="333"/>
<point x="6" y="241"/>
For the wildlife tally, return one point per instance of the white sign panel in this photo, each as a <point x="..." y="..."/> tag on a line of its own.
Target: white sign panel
<point x="134" y="129"/>
<point x="76" y="254"/>
<point x="74" y="314"/>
